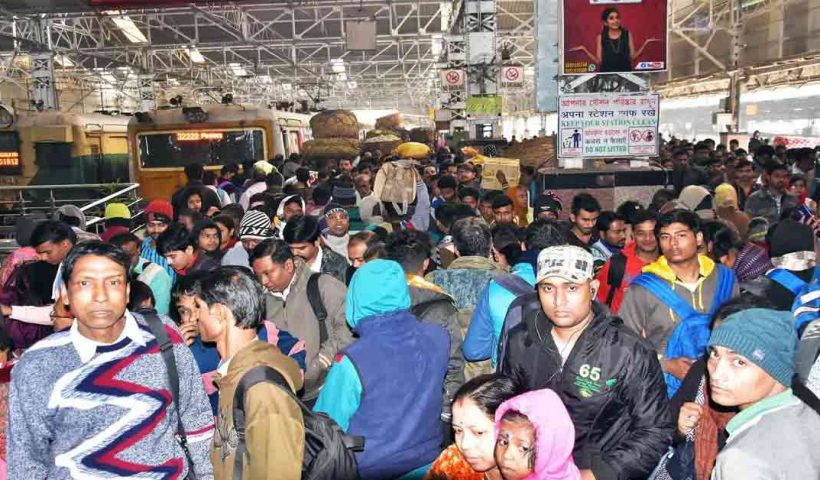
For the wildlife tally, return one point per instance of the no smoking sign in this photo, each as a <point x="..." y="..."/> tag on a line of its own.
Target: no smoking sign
<point x="512" y="75"/>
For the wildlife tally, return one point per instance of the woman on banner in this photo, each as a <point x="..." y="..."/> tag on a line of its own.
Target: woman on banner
<point x="615" y="48"/>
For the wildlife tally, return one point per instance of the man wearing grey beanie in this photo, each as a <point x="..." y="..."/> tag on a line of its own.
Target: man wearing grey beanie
<point x="751" y="365"/>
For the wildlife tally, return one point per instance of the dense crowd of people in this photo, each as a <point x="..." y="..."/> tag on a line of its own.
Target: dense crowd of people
<point x="383" y="318"/>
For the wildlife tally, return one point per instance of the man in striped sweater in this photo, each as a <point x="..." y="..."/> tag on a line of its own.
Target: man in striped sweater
<point x="94" y="401"/>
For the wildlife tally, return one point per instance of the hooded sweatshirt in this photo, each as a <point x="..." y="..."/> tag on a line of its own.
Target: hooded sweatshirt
<point x="648" y="317"/>
<point x="279" y="220"/>
<point x="554" y="433"/>
<point x="394" y="405"/>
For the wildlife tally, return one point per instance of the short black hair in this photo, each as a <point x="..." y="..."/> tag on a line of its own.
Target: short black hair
<point x="468" y="192"/>
<point x="472" y="237"/>
<point x="209" y="177"/>
<point x="449" y="213"/>
<point x="678" y="215"/>
<point x="238" y="290"/>
<point x="274" y="179"/>
<point x="661" y="198"/>
<point x="94" y="248"/>
<point x="187" y="212"/>
<point x="205" y="224"/>
<point x="235" y="211"/>
<point x="194" y="171"/>
<point x="723" y="241"/>
<point x="125" y="238"/>
<point x="302" y="175"/>
<point x="301" y="228"/>
<point x="190" y="285"/>
<point x="489" y="195"/>
<point x="321" y="194"/>
<point x="140" y="292"/>
<point x="586" y="202"/>
<point x="231" y="167"/>
<point x="743" y="163"/>
<point x="447" y="181"/>
<point x="276" y="249"/>
<point x="175" y="238"/>
<point x="628" y="210"/>
<point x="606" y="219"/>
<point x="542" y="234"/>
<point x="773" y="166"/>
<point x="410" y="248"/>
<point x="764" y="150"/>
<point x="506" y="241"/>
<point x="225" y="220"/>
<point x="52" y="231"/>
<point x="643" y="216"/>
<point x="501" y="201"/>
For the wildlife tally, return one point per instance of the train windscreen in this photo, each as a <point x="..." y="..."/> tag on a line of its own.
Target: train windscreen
<point x="208" y="147"/>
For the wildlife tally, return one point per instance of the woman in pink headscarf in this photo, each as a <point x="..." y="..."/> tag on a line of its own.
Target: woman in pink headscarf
<point x="535" y="438"/>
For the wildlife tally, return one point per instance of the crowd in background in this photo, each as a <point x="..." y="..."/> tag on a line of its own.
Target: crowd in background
<point x="470" y="333"/>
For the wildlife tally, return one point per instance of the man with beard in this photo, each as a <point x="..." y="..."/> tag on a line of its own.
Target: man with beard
<point x="612" y="232"/>
<point x="772" y="200"/>
<point x="584" y="216"/>
<point x="337" y="233"/>
<point x="158" y="216"/>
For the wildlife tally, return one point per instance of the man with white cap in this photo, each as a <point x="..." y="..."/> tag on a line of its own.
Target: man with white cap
<point x="609" y="380"/>
<point x="253" y="229"/>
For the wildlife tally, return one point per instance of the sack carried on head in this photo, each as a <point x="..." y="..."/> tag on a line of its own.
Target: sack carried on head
<point x="396" y="184"/>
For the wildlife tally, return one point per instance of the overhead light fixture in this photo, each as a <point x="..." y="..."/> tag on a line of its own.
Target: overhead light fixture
<point x="237" y="69"/>
<point x="63" y="61"/>
<point x="127" y="27"/>
<point x="195" y="55"/>
<point x="337" y="65"/>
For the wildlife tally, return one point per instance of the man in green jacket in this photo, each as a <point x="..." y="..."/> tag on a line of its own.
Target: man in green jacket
<point x="751" y="365"/>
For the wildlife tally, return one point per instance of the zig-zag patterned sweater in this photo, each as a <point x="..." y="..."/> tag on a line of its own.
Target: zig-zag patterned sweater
<point x="111" y="417"/>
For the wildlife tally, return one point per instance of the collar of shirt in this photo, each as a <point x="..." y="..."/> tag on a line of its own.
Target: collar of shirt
<point x="222" y="369"/>
<point x="58" y="282"/>
<point x="87" y="348"/>
<point x="316" y="266"/>
<point x="284" y="293"/>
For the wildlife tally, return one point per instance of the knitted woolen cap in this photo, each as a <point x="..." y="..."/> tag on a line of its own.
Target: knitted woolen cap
<point x="790" y="236"/>
<point x="765" y="337"/>
<point x="255" y="225"/>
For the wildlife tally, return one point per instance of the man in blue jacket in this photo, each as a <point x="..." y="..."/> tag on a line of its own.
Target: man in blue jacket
<point x="487" y="322"/>
<point x="395" y="405"/>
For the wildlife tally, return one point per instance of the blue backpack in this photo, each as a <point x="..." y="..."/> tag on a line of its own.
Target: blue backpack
<point x="691" y="336"/>
<point x="806" y="306"/>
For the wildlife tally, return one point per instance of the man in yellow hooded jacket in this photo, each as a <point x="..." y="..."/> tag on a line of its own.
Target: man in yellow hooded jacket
<point x="693" y="278"/>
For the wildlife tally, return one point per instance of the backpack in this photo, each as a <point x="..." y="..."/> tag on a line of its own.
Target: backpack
<point x="395" y="184"/>
<point x="806" y="306"/>
<point x="328" y="450"/>
<point x="315" y="300"/>
<point x="691" y="335"/>
<point x="615" y="276"/>
<point x="519" y="309"/>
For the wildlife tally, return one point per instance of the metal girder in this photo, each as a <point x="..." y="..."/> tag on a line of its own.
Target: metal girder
<point x="273" y="43"/>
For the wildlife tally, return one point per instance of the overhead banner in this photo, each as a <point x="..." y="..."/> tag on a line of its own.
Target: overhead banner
<point x="614" y="36"/>
<point x="489" y="106"/>
<point x="512" y="76"/>
<point x="608" y="125"/>
<point x="452" y="79"/>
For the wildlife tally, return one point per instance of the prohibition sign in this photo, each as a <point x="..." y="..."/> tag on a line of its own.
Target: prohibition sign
<point x="453" y="77"/>
<point x="511" y="74"/>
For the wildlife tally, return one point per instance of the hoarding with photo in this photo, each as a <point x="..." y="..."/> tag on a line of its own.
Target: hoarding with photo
<point x="614" y="36"/>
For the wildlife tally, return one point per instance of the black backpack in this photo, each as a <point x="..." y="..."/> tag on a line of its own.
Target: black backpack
<point x="317" y="305"/>
<point x="328" y="450"/>
<point x="617" y="270"/>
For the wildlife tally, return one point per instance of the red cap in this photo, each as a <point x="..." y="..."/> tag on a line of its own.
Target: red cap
<point x="159" y="208"/>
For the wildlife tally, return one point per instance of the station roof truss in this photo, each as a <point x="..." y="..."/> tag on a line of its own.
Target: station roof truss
<point x="260" y="52"/>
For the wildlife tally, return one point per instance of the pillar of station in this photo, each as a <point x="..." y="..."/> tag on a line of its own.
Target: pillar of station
<point x="483" y="109"/>
<point x="42" y="89"/>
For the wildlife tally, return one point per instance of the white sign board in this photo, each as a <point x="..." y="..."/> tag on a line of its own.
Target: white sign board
<point x="512" y="76"/>
<point x="608" y="125"/>
<point x="452" y="79"/>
